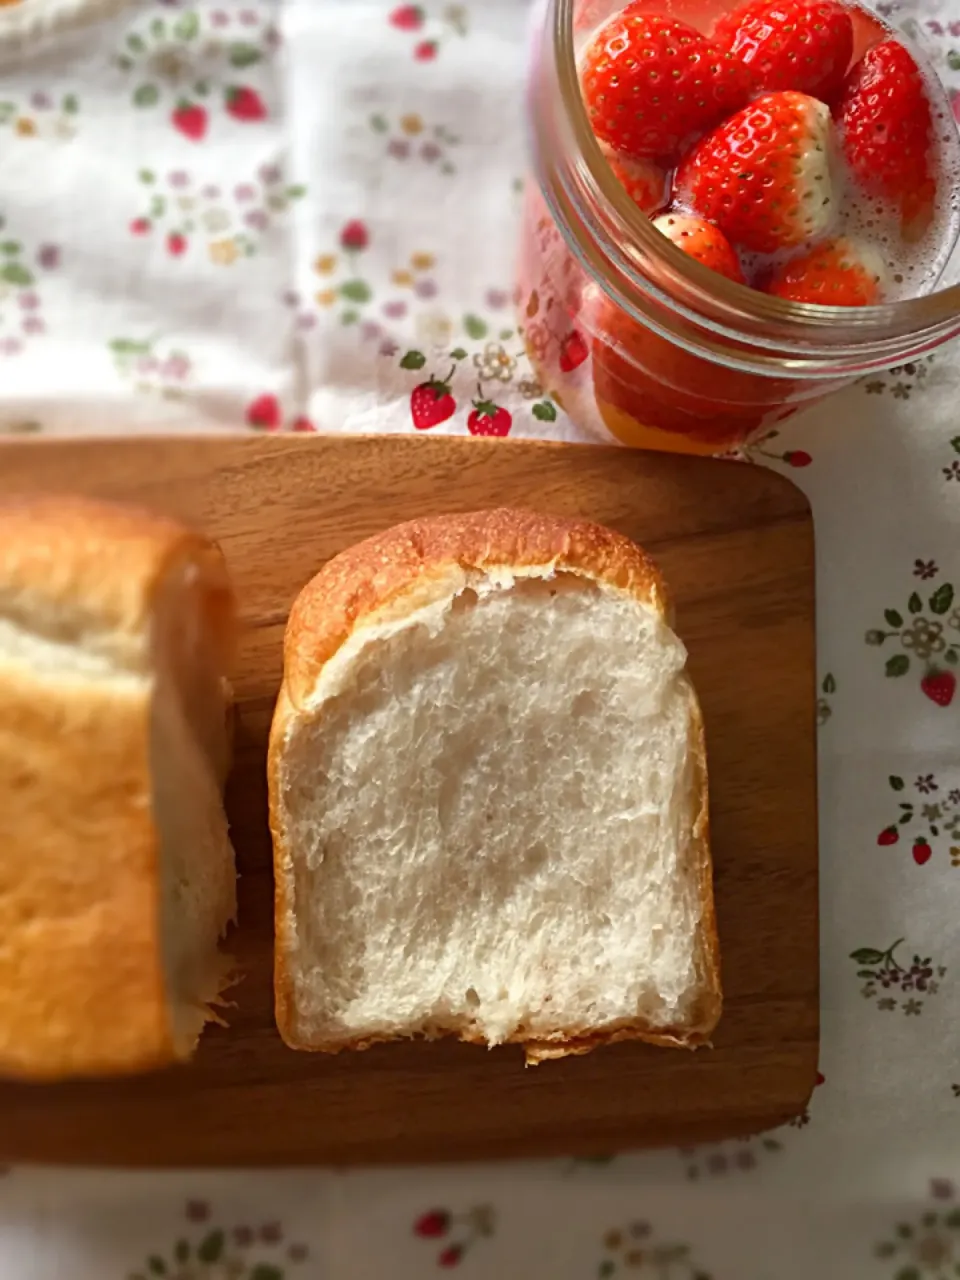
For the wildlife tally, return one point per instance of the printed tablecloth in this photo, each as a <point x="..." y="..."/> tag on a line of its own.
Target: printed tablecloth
<point x="285" y="213"/>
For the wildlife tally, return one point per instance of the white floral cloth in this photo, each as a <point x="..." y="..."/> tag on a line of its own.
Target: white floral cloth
<point x="291" y="214"/>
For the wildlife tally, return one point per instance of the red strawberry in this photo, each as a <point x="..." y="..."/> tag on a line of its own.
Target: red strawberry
<point x="702" y="241"/>
<point x="303" y="425"/>
<point x="573" y="351"/>
<point x="790" y="44"/>
<point x="886" y="130"/>
<point x="354" y="235"/>
<point x="176" y="244"/>
<point x="190" y="119"/>
<point x="431" y="403"/>
<point x="244" y="103"/>
<point x="889" y="835"/>
<point x="644" y="182"/>
<point x="840" y="273"/>
<point x="450" y="1256"/>
<point x="408" y="17"/>
<point x="434" y="1223"/>
<point x="939" y="686"/>
<point x="763" y="176"/>
<point x="650" y="83"/>
<point x="797" y="458"/>
<point x="488" y="419"/>
<point x="264" y="412"/>
<point x="426" y="51"/>
<point x="140" y="226"/>
<point x="921" y="851"/>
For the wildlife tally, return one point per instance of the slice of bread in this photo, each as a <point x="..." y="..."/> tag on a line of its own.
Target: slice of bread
<point x="488" y="796"/>
<point x="116" y="872"/>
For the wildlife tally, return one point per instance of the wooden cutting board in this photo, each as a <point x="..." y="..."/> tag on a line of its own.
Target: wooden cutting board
<point x="736" y="545"/>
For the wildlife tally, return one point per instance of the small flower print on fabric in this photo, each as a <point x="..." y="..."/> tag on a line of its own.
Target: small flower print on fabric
<point x="634" y="1250"/>
<point x="951" y="469"/>
<point x="899" y="382"/>
<point x="208" y="1251"/>
<point x="408" y="138"/>
<point x="453" y="1235"/>
<point x="41" y="115"/>
<point x="265" y="413"/>
<point x="22" y="269"/>
<point x="828" y="687"/>
<point x="926" y="1247"/>
<point x="182" y="212"/>
<point x="427" y="28"/>
<point x="892" y="985"/>
<point x="152" y="366"/>
<point x="192" y="66"/>
<point x="721" y="1159"/>
<point x="925" y="637"/>
<point x="928" y="818"/>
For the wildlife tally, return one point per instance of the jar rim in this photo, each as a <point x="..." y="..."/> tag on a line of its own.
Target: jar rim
<point x="874" y="336"/>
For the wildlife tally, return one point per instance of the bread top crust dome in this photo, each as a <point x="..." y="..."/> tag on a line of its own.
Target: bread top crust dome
<point x="84" y="572"/>
<point x="413" y="564"/>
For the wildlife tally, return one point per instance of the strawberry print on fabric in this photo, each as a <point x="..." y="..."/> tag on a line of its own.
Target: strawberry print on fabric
<point x="927" y="818"/>
<point x="194" y="66"/>
<point x="925" y="1246"/>
<point x="892" y="981"/>
<point x="428" y="27"/>
<point x="22" y="271"/>
<point x="924" y="638"/>
<point x="43" y="114"/>
<point x="183" y="212"/>
<point x="454" y="1235"/>
<point x="210" y="1249"/>
<point x="797" y="458"/>
<point x="634" y="1250"/>
<point x="266" y="413"/>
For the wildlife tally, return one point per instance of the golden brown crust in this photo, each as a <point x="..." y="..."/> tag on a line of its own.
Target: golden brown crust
<point x="82" y="985"/>
<point x="404" y="566"/>
<point x="397" y="572"/>
<point x="75" y="569"/>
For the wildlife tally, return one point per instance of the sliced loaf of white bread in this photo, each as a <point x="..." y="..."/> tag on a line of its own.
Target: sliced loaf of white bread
<point x="117" y="876"/>
<point x="488" y="796"/>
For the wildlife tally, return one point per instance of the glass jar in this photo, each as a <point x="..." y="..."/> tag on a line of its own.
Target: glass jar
<point x="636" y="339"/>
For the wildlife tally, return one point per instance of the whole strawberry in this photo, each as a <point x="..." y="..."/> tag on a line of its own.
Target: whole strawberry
<point x="431" y="403"/>
<point x="886" y="130"/>
<point x="644" y="182"/>
<point x="840" y="273"/>
<point x="702" y="241"/>
<point x="651" y="83"/>
<point x="763" y="176"/>
<point x="789" y="44"/>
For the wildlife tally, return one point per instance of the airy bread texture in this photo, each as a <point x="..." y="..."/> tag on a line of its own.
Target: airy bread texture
<point x="116" y="872"/>
<point x="488" y="796"/>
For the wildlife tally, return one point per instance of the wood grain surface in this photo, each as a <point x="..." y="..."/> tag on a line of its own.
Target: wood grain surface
<point x="736" y="545"/>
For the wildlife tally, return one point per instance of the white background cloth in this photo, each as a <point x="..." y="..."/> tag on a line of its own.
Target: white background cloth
<point x="249" y="213"/>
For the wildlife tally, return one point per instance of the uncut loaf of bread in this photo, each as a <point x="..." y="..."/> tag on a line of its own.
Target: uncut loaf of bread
<point x="488" y="796"/>
<point x="116" y="872"/>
